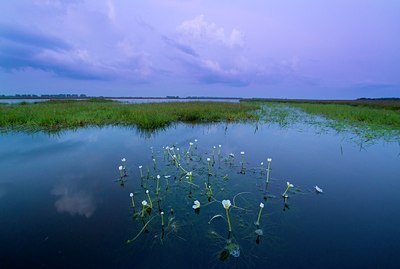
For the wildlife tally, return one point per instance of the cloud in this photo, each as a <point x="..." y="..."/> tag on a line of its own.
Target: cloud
<point x="207" y="53"/>
<point x="74" y="203"/>
<point x="23" y="36"/>
<point x="180" y="46"/>
<point x="200" y="30"/>
<point x="24" y="48"/>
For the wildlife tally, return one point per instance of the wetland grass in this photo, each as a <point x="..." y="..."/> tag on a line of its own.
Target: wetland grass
<point x="60" y="114"/>
<point x="372" y="113"/>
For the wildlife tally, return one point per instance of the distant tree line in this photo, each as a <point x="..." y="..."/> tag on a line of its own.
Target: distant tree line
<point x="44" y="96"/>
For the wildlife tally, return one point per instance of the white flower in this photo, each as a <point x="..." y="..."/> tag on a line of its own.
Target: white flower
<point x="189" y="173"/>
<point x="158" y="176"/>
<point x="167" y="148"/>
<point x="226" y="204"/>
<point x="131" y="194"/>
<point x="140" y="167"/>
<point x="187" y="152"/>
<point x="232" y="155"/>
<point x="147" y="191"/>
<point x="262" y="163"/>
<point x="318" y="189"/>
<point x="269" y="160"/>
<point x="214" y="147"/>
<point x="289" y="185"/>
<point x="120" y="168"/>
<point x="261" y="205"/>
<point x="208" y="159"/>
<point x="168" y="176"/>
<point x="190" y="143"/>
<point x="242" y="152"/>
<point x="162" y="213"/>
<point x="196" y="204"/>
<point x="195" y="140"/>
<point x="177" y="149"/>
<point x="144" y="202"/>
<point x="174" y="156"/>
<point x="123" y="160"/>
<point x="219" y="146"/>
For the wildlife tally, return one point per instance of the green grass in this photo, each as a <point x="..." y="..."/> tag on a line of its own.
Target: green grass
<point x="367" y="120"/>
<point x="372" y="114"/>
<point x="61" y="114"/>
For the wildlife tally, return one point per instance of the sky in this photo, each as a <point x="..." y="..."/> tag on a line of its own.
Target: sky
<point x="330" y="49"/>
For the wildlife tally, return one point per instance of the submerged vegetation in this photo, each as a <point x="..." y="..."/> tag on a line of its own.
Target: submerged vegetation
<point x="60" y="114"/>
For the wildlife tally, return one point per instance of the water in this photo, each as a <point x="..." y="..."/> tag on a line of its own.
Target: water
<point x="62" y="205"/>
<point x="16" y="101"/>
<point x="126" y="100"/>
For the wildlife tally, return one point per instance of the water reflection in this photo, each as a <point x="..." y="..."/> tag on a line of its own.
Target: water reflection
<point x="74" y="195"/>
<point x="301" y="233"/>
<point x="74" y="202"/>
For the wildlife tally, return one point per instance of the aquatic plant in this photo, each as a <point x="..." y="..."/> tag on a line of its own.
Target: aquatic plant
<point x="158" y="182"/>
<point x="318" y="189"/>
<point x="190" y="146"/>
<point x="259" y="214"/>
<point x="189" y="174"/>
<point x="208" y="165"/>
<point x="288" y="186"/>
<point x="120" y="168"/>
<point x="242" y="169"/>
<point x="269" y="160"/>
<point x="133" y="201"/>
<point x="227" y="204"/>
<point x="162" y="218"/>
<point x="144" y="205"/>
<point x="154" y="164"/>
<point x="123" y="160"/>
<point x="148" y="196"/>
<point x="196" y="205"/>
<point x="209" y="191"/>
<point x="140" y="170"/>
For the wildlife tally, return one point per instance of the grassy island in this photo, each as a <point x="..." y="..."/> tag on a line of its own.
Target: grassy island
<point x="60" y="114"/>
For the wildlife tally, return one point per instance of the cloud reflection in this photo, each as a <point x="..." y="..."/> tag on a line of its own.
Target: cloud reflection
<point x="73" y="202"/>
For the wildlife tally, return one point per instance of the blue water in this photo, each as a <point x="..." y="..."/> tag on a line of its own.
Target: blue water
<point x="62" y="204"/>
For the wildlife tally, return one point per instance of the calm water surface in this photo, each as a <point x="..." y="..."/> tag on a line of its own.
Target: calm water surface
<point x="139" y="100"/>
<point x="62" y="204"/>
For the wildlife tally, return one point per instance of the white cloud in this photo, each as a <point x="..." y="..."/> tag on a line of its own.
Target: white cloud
<point x="111" y="10"/>
<point x="199" y="29"/>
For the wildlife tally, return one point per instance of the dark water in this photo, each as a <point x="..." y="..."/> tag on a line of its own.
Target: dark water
<point x="62" y="204"/>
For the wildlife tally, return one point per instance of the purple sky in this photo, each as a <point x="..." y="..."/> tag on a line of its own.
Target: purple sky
<point x="260" y="48"/>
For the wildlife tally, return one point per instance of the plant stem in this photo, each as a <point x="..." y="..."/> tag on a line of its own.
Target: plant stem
<point x="229" y="220"/>
<point x="259" y="216"/>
